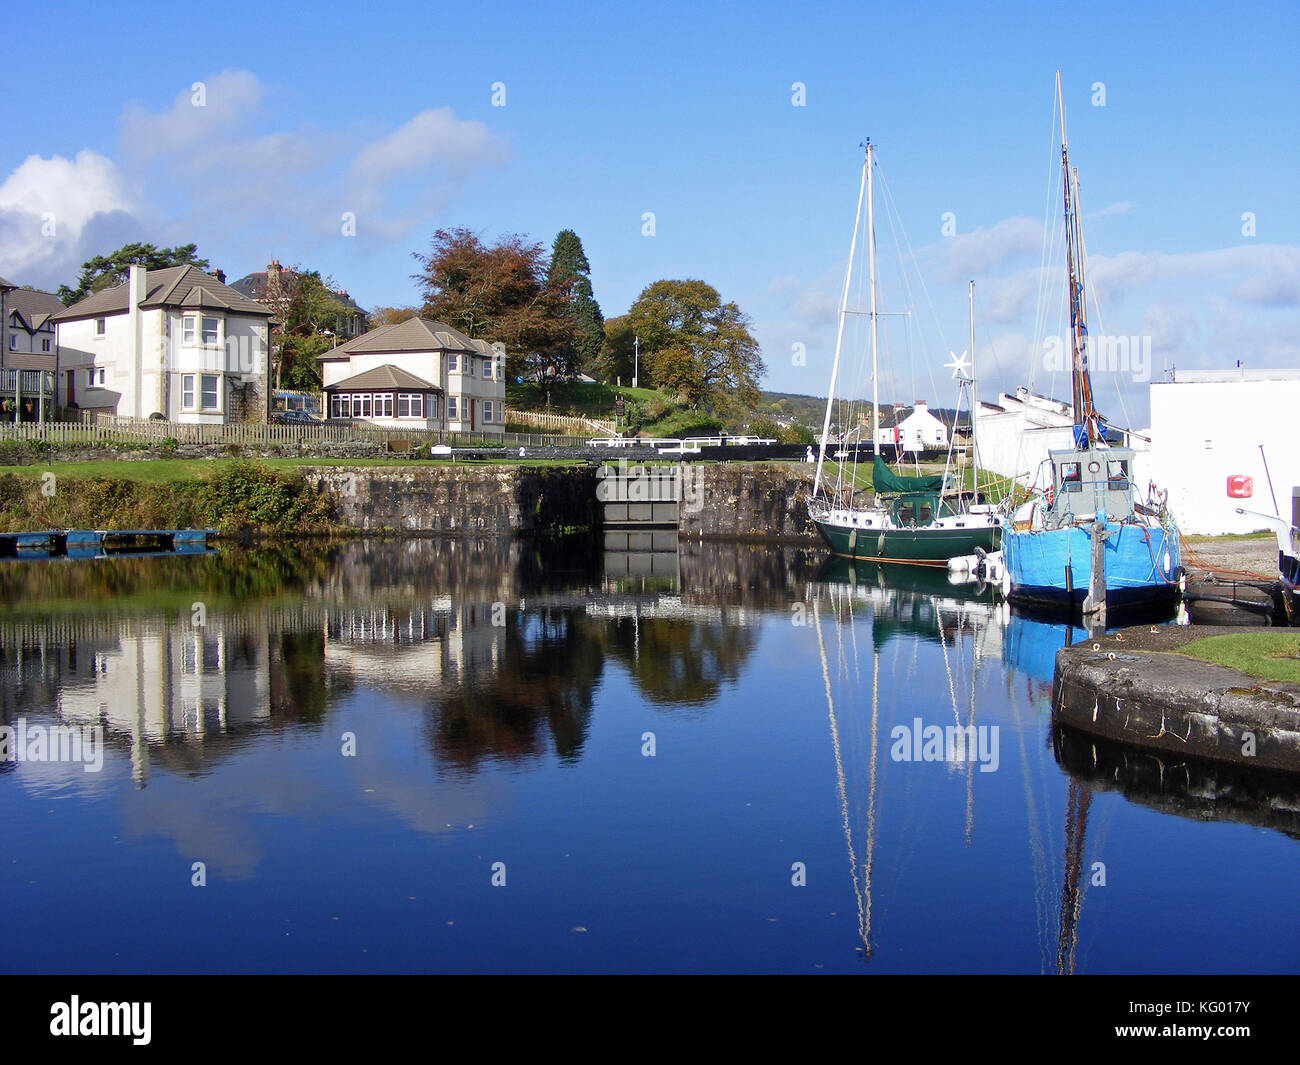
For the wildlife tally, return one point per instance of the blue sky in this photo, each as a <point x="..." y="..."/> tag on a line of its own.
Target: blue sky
<point x="685" y="110"/>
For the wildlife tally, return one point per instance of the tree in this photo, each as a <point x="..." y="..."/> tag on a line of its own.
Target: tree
<point x="617" y="360"/>
<point x="499" y="294"/>
<point x="392" y="315"/>
<point x="105" y="271"/>
<point x="571" y="272"/>
<point x="306" y="306"/>
<point x="696" y="346"/>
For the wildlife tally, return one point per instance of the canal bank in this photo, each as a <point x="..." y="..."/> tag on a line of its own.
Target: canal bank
<point x="1134" y="686"/>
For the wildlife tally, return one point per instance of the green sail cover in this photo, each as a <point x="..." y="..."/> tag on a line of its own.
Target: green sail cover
<point x="887" y="481"/>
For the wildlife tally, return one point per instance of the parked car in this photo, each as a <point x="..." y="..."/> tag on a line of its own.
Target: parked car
<point x="293" y="417"/>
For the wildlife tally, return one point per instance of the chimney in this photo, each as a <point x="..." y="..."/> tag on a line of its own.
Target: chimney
<point x="136" y="288"/>
<point x="273" y="279"/>
<point x="919" y="404"/>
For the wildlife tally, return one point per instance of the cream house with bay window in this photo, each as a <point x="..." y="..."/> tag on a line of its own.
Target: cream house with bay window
<point x="417" y="374"/>
<point x="174" y="342"/>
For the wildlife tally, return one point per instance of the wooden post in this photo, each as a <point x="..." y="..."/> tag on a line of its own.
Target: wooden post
<point x="1094" y="606"/>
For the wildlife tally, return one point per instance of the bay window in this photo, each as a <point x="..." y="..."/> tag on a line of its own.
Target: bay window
<point x="452" y="415"/>
<point x="187" y="391"/>
<point x="209" y="330"/>
<point x="188" y="327"/>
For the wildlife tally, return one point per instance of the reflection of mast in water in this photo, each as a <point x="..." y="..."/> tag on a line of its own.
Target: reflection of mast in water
<point x="861" y="888"/>
<point x="1076" y="827"/>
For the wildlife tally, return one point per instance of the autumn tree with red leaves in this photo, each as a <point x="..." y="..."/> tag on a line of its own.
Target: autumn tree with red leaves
<point x="500" y="293"/>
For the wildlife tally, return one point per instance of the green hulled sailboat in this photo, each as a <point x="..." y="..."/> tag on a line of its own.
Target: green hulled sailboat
<point x="910" y="519"/>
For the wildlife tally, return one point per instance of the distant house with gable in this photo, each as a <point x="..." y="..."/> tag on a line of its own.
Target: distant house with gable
<point x="919" y="430"/>
<point x="417" y="374"/>
<point x="28" y="338"/>
<point x="270" y="287"/>
<point x="175" y="342"/>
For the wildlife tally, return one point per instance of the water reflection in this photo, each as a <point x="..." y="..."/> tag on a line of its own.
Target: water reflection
<point x="508" y="683"/>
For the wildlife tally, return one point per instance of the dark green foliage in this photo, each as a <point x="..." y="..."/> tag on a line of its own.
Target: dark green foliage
<point x="571" y="272"/>
<point x="105" y="271"/>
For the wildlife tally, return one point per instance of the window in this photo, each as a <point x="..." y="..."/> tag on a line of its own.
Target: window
<point x="188" y="325"/>
<point x="487" y="410"/>
<point x="469" y="365"/>
<point x="13" y="342"/>
<point x="45" y="345"/>
<point x="453" y="363"/>
<point x="410" y="405"/>
<point x="356" y="406"/>
<point x="209" y="330"/>
<point x="451" y="409"/>
<point x="101" y="326"/>
<point x="336" y="406"/>
<point x="384" y="405"/>
<point x="187" y="391"/>
<point x="210" y="395"/>
<point x="95" y="377"/>
<point x="431" y="408"/>
<point x="365" y="404"/>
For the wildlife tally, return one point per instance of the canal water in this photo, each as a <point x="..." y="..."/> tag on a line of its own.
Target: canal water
<point x="485" y="757"/>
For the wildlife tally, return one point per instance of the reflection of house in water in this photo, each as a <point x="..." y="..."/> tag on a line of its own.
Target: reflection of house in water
<point x="417" y="648"/>
<point x="145" y="679"/>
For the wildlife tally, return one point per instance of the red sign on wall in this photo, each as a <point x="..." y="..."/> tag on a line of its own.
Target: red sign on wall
<point x="1240" y="486"/>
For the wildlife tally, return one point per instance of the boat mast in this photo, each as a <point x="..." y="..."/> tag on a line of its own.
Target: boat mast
<point x="1080" y="382"/>
<point x="974" y="406"/>
<point x="871" y="281"/>
<point x="844" y="309"/>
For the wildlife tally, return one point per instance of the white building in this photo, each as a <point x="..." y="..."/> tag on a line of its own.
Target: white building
<point x="1013" y="435"/>
<point x="417" y="374"/>
<point x="175" y="342"/>
<point x="919" y="431"/>
<point x="1209" y="426"/>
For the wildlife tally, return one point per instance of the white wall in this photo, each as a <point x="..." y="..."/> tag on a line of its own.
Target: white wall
<point x="1014" y="441"/>
<point x="1207" y="426"/>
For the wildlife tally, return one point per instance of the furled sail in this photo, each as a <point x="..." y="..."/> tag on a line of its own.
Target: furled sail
<point x="886" y="481"/>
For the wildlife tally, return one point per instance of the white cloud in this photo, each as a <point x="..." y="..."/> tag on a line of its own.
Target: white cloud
<point x="46" y="204"/>
<point x="434" y="138"/>
<point x="979" y="253"/>
<point x="209" y="109"/>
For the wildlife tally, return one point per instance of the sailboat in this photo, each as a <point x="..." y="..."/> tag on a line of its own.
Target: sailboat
<point x="1090" y="509"/>
<point x="912" y="519"/>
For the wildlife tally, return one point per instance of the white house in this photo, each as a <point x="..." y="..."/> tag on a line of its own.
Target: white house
<point x="417" y="374"/>
<point x="176" y="342"/>
<point x="919" y="431"/>
<point x="1207" y="431"/>
<point x="1013" y="435"/>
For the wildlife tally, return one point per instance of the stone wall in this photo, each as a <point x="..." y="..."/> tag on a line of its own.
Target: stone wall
<point x="461" y="500"/>
<point x="749" y="501"/>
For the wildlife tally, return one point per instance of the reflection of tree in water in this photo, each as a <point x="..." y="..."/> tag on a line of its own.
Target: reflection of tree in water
<point x="301" y="689"/>
<point x="545" y="675"/>
<point x="679" y="661"/>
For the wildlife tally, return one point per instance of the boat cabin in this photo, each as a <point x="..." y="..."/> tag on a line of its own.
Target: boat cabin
<point x="1085" y="482"/>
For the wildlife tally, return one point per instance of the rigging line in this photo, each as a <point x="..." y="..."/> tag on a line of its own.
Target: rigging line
<point x="934" y="314"/>
<point x="909" y="300"/>
<point x="841" y="784"/>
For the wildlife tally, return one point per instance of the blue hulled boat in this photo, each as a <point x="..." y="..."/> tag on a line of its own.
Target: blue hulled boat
<point x="1049" y="542"/>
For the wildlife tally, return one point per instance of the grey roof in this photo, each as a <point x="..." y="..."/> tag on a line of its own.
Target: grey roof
<point x="413" y="335"/>
<point x="6" y="284"/>
<point x="382" y="378"/>
<point x="254" y="287"/>
<point x="173" y="287"/>
<point x="34" y="306"/>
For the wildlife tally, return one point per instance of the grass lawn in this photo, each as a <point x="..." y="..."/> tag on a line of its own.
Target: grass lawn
<point x="1266" y="653"/>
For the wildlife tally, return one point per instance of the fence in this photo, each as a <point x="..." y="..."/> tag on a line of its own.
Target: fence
<point x="112" y="428"/>
<point x="576" y="425"/>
